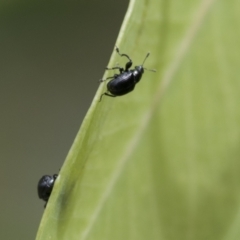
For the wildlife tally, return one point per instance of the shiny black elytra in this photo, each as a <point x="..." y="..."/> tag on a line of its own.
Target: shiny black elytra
<point x="124" y="82"/>
<point x="45" y="186"/>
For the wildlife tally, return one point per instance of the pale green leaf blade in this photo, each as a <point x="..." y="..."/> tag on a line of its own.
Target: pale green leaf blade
<point x="163" y="161"/>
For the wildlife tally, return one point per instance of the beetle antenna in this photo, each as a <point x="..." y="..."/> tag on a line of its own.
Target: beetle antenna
<point x="145" y="58"/>
<point x="151" y="70"/>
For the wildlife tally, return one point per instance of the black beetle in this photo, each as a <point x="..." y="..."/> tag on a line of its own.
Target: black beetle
<point x="124" y="82"/>
<point x="45" y="186"/>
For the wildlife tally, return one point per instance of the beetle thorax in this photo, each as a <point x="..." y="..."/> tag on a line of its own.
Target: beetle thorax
<point x="138" y="72"/>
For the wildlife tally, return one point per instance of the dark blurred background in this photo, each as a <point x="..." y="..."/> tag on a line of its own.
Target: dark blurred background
<point x="52" y="54"/>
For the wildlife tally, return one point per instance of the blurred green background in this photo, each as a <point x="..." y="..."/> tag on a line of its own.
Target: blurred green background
<point x="52" y="54"/>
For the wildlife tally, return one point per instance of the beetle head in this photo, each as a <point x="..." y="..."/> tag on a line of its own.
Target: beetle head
<point x="139" y="69"/>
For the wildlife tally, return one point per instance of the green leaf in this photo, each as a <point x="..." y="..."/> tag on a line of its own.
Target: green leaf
<point x="162" y="162"/>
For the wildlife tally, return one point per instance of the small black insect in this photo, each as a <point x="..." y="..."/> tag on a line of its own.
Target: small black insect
<point x="45" y="186"/>
<point x="124" y="82"/>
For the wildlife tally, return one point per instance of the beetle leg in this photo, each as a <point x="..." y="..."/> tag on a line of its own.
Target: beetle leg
<point x="55" y="176"/>
<point x="119" y="68"/>
<point x="110" y="95"/>
<point x="128" y="64"/>
<point x="107" y="94"/>
<point x="114" y="76"/>
<point x="102" y="80"/>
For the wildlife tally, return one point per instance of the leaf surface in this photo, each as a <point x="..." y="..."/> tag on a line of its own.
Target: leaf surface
<point x="161" y="162"/>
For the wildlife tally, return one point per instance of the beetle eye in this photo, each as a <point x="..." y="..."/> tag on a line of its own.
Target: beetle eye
<point x="139" y="68"/>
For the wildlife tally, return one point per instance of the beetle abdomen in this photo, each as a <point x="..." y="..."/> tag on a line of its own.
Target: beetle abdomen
<point x="122" y="84"/>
